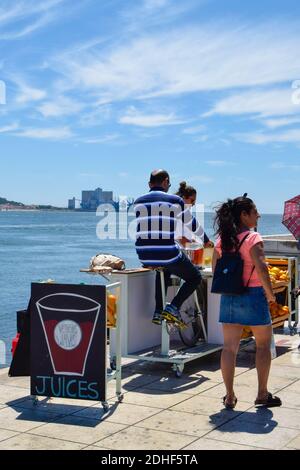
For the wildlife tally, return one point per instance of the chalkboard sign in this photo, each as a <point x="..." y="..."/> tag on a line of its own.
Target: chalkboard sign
<point x="68" y="341"/>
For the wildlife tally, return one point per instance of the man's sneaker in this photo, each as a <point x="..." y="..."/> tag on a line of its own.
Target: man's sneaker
<point x="171" y="314"/>
<point x="157" y="318"/>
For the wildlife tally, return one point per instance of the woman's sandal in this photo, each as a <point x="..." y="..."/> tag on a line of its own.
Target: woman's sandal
<point x="229" y="406"/>
<point x="269" y="402"/>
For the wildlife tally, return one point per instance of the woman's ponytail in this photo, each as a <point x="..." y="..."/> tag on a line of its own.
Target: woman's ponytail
<point x="228" y="219"/>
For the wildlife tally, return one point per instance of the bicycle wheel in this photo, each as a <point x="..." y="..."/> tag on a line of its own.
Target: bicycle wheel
<point x="193" y="331"/>
<point x="191" y="317"/>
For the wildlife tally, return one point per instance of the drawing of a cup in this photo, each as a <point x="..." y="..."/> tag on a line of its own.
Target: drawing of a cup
<point x="69" y="322"/>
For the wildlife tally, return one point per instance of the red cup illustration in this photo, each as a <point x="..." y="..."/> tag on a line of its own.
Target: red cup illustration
<point x="69" y="322"/>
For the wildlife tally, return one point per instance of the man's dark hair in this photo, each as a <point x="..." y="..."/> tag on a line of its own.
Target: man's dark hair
<point x="158" y="177"/>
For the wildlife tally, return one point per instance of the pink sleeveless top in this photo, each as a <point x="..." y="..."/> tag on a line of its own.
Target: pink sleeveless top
<point x="252" y="239"/>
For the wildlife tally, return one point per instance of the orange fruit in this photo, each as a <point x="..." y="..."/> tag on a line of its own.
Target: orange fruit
<point x="285" y="310"/>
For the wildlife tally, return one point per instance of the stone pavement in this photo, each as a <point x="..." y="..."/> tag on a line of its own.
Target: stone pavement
<point x="162" y="412"/>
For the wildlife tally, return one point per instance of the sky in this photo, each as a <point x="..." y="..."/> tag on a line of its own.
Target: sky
<point x="98" y="93"/>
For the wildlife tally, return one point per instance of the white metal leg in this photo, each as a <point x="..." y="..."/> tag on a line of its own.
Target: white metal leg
<point x="201" y="315"/>
<point x="273" y="346"/>
<point x="165" y="337"/>
<point x="118" y="357"/>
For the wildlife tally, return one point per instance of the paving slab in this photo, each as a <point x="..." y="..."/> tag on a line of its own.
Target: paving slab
<point x="136" y="438"/>
<point x="187" y="385"/>
<point x="275" y="383"/>
<point x="155" y="398"/>
<point x="57" y="406"/>
<point x="284" y="417"/>
<point x="22" y="382"/>
<point x="290" y="399"/>
<point x="9" y="394"/>
<point x="211" y="444"/>
<point x="278" y="370"/>
<point x="94" y="448"/>
<point x="122" y="413"/>
<point x="290" y="359"/>
<point x="5" y="434"/>
<point x="266" y="436"/>
<point x="180" y="423"/>
<point x="20" y="420"/>
<point x="80" y="430"/>
<point x="294" y="444"/>
<point x="295" y="387"/>
<point x="209" y="406"/>
<point x="245" y="393"/>
<point x="30" y="442"/>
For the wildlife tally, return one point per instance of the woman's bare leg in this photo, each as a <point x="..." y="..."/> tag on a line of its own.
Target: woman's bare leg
<point x="263" y="336"/>
<point x="232" y="336"/>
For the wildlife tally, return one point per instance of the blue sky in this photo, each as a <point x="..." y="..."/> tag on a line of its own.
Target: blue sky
<point x="100" y="92"/>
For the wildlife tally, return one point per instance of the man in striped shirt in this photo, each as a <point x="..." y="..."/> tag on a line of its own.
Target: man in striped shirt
<point x="162" y="220"/>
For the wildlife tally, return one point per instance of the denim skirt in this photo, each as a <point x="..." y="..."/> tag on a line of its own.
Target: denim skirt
<point x="250" y="308"/>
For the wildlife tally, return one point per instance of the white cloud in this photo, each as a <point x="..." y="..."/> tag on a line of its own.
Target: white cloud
<point x="194" y="130"/>
<point x="62" y="106"/>
<point x="135" y="118"/>
<point x="46" y="133"/>
<point x="28" y="94"/>
<point x="147" y="14"/>
<point x="284" y="166"/>
<point x="270" y="102"/>
<point x="219" y="163"/>
<point x="201" y="138"/>
<point x="154" y="4"/>
<point x="100" y="140"/>
<point x="95" y="117"/>
<point x="280" y="122"/>
<point x="25" y="17"/>
<point x="9" y="128"/>
<point x="290" y="136"/>
<point x="210" y="57"/>
<point x="201" y="179"/>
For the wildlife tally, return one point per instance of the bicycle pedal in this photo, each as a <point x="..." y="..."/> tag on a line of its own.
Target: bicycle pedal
<point x="174" y="320"/>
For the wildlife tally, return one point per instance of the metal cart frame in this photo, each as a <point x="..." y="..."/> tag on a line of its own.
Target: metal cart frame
<point x="292" y="264"/>
<point x="161" y="353"/>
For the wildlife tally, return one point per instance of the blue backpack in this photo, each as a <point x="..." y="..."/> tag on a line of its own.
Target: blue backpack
<point x="228" y="275"/>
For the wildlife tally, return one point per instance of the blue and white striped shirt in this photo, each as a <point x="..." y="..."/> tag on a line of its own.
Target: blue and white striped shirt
<point x="162" y="219"/>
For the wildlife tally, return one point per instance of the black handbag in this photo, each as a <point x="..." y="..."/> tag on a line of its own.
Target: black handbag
<point x="228" y="275"/>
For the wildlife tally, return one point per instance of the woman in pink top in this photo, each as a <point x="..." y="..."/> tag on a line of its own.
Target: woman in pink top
<point x="234" y="220"/>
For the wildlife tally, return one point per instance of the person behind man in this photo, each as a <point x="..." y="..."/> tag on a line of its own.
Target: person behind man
<point x="189" y="196"/>
<point x="161" y="219"/>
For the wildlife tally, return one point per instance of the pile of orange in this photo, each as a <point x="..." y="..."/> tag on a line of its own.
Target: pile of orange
<point x="111" y="310"/>
<point x="277" y="274"/>
<point x="278" y="310"/>
<point x="247" y="332"/>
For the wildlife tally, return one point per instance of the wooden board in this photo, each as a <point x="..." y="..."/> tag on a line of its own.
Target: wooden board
<point x="113" y="271"/>
<point x="279" y="321"/>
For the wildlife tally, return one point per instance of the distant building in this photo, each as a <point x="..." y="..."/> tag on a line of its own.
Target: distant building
<point x="90" y="200"/>
<point x="72" y="204"/>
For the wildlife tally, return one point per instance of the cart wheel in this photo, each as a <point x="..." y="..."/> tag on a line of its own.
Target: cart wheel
<point x="121" y="398"/>
<point x="105" y="406"/>
<point x="35" y="401"/>
<point x="113" y="364"/>
<point x="178" y="369"/>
